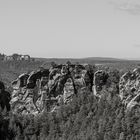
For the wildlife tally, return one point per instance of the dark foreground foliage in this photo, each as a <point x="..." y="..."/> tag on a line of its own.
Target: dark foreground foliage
<point x="85" y="118"/>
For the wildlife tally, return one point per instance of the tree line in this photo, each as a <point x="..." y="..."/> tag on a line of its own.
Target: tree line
<point x="84" y="118"/>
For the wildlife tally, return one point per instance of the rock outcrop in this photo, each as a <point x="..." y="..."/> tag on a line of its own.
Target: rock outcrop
<point x="33" y="92"/>
<point x="106" y="82"/>
<point x="42" y="89"/>
<point x="129" y="88"/>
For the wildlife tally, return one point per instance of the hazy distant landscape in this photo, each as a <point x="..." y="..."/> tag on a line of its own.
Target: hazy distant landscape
<point x="9" y="70"/>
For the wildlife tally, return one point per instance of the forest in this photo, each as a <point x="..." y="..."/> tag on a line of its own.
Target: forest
<point x="85" y="118"/>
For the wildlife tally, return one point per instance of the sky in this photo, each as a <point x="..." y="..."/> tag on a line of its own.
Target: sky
<point x="70" y="28"/>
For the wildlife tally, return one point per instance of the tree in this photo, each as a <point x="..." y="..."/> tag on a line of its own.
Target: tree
<point x="15" y="56"/>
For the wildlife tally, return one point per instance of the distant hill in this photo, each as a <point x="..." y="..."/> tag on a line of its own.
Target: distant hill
<point x="105" y="59"/>
<point x="90" y="60"/>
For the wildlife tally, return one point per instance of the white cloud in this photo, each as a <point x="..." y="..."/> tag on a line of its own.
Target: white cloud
<point x="131" y="6"/>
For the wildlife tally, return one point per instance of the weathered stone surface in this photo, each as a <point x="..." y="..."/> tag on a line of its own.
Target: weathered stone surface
<point x="129" y="87"/>
<point x="59" y="87"/>
<point x="68" y="91"/>
<point x="106" y="82"/>
<point x="100" y="80"/>
<point x="22" y="104"/>
<point x="61" y="84"/>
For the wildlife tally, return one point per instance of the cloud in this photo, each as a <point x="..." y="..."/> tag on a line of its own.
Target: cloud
<point x="131" y="6"/>
<point x="136" y="46"/>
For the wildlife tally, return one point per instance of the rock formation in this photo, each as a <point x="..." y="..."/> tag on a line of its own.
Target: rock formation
<point x="47" y="89"/>
<point x="129" y="88"/>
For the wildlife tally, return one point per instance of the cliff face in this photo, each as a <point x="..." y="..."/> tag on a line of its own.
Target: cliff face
<point x="130" y="88"/>
<point x="105" y="84"/>
<point x="38" y="98"/>
<point x="127" y="86"/>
